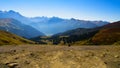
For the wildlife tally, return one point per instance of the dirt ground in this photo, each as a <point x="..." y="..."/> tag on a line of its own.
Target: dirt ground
<point x="43" y="56"/>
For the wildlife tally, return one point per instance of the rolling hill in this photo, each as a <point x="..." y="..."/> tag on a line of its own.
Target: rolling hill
<point x="109" y="34"/>
<point x="7" y="38"/>
<point x="78" y="31"/>
<point x="69" y="37"/>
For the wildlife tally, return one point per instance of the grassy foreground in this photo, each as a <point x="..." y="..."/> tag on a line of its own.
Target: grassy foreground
<point x="43" y="56"/>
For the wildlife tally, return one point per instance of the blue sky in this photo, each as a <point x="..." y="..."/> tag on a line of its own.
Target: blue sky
<point x="107" y="10"/>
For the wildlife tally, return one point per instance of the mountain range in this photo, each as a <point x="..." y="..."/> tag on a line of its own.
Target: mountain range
<point x="59" y="30"/>
<point x="53" y="25"/>
<point x="18" y="28"/>
<point x="56" y="25"/>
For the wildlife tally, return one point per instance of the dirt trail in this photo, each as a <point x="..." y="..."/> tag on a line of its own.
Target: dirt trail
<point x="38" y="56"/>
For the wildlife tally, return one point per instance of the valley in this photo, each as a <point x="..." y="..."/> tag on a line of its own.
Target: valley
<point x="106" y="35"/>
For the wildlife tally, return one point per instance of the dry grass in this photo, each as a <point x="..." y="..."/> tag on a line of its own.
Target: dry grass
<point x="41" y="56"/>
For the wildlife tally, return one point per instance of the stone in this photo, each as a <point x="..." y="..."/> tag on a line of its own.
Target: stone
<point x="12" y="64"/>
<point x="116" y="56"/>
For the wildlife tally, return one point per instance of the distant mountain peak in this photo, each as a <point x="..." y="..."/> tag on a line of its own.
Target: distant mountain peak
<point x="55" y="18"/>
<point x="11" y="11"/>
<point x="52" y="25"/>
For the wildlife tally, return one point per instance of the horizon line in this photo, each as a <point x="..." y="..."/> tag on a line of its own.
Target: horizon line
<point x="57" y="17"/>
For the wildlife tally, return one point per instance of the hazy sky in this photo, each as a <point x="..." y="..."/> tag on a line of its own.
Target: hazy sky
<point x="108" y="10"/>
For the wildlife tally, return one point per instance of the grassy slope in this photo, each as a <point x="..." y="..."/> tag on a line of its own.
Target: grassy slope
<point x="7" y="38"/>
<point x="107" y="36"/>
<point x="110" y="34"/>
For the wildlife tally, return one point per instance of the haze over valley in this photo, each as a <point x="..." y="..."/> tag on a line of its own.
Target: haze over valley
<point x="53" y="25"/>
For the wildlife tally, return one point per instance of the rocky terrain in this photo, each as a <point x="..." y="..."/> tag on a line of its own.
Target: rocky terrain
<point x="43" y="56"/>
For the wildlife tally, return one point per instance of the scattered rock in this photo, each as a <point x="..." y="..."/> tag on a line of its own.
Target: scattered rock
<point x="105" y="62"/>
<point x="16" y="58"/>
<point x="103" y="55"/>
<point x="61" y="57"/>
<point x="116" y="56"/>
<point x="12" y="64"/>
<point x="13" y="50"/>
<point x="27" y="62"/>
<point x="31" y="54"/>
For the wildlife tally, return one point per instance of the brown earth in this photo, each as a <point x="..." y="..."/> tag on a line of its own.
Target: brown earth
<point x="43" y="56"/>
